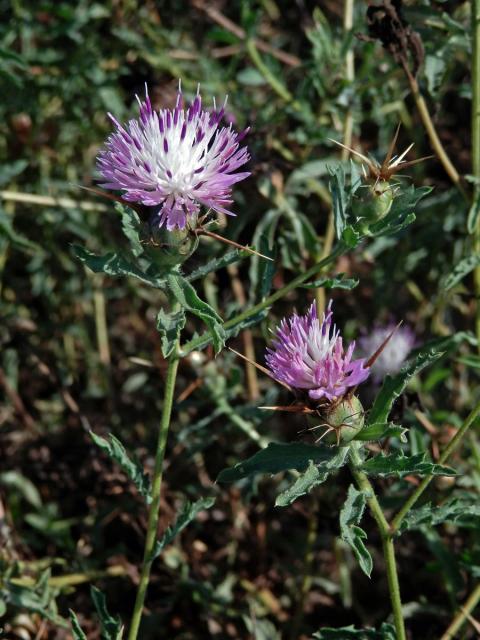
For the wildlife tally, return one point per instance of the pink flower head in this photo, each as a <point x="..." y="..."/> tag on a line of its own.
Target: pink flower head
<point x="177" y="158"/>
<point x="307" y="354"/>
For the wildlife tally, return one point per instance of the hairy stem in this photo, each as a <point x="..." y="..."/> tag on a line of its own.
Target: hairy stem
<point x="464" y="613"/>
<point x="476" y="145"/>
<point x="387" y="541"/>
<point x="203" y="340"/>
<point x="446" y="453"/>
<point x="153" y="515"/>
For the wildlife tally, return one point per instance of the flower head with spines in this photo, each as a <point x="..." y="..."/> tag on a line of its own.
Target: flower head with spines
<point x="175" y="159"/>
<point x="308" y="354"/>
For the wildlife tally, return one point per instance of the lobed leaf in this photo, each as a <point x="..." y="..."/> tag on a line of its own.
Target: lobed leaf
<point x="133" y="469"/>
<point x="131" y="224"/>
<point x="77" y="631"/>
<point x="351" y="533"/>
<point x="217" y="263"/>
<point x="386" y="632"/>
<point x="380" y="430"/>
<point x="170" y="326"/>
<point x="398" y="464"/>
<point x="461" y="269"/>
<point x="114" y="264"/>
<point x="186" y="295"/>
<point x="393" y="386"/>
<point x="335" y="282"/>
<point x="187" y="514"/>
<point x="459" y="511"/>
<point x="313" y="476"/>
<point x="111" y="627"/>
<point x="279" y="457"/>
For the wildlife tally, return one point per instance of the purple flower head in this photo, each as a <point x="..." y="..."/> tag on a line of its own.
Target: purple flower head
<point x="393" y="355"/>
<point x="178" y="158"/>
<point x="307" y="354"/>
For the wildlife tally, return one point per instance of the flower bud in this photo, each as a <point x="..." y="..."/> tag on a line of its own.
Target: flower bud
<point x="375" y="202"/>
<point x="344" y="419"/>
<point x="169" y="248"/>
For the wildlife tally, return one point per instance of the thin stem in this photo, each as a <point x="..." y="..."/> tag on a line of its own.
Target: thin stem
<point x="247" y="336"/>
<point x="206" y="338"/>
<point x="387" y="541"/>
<point x="272" y="80"/>
<point x="432" y="132"/>
<point x="462" y="616"/>
<point x="476" y="144"/>
<point x="446" y="453"/>
<point x="156" y="493"/>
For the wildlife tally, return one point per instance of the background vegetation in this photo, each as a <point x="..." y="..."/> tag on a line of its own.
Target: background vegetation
<point x="80" y="351"/>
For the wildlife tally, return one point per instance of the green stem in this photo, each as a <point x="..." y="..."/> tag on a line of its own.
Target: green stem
<point x="272" y="80"/>
<point x="203" y="340"/>
<point x="153" y="515"/>
<point x="447" y="452"/>
<point x="476" y="145"/>
<point x="387" y="541"/>
<point x="465" y="611"/>
<point x="435" y="141"/>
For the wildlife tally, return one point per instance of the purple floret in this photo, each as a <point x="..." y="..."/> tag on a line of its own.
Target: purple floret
<point x="309" y="355"/>
<point x="178" y="158"/>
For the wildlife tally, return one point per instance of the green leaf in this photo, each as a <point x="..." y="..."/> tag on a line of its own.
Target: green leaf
<point x="170" y="326"/>
<point x="186" y="295"/>
<point x="279" y="457"/>
<point x="132" y="468"/>
<point x="351" y="533"/>
<point x="380" y="430"/>
<point x="313" y="476"/>
<point x="393" y="386"/>
<point x="474" y="212"/>
<point x="18" y="240"/>
<point x="217" y="263"/>
<point x="340" y="199"/>
<point x="386" y="632"/>
<point x="114" y="264"/>
<point x="335" y="282"/>
<point x="78" y="634"/>
<point x="401" y="213"/>
<point x="131" y="225"/>
<point x="398" y="464"/>
<point x="461" y="269"/>
<point x="187" y="514"/>
<point x="111" y="626"/>
<point x="14" y="481"/>
<point x="459" y="511"/>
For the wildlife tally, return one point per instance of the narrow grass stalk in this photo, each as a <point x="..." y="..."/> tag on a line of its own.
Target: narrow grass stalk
<point x="206" y="338"/>
<point x="446" y="453"/>
<point x="387" y="541"/>
<point x="153" y="515"/>
<point x="476" y="145"/>
<point x="348" y="12"/>
<point x="435" y="141"/>
<point x="463" y="615"/>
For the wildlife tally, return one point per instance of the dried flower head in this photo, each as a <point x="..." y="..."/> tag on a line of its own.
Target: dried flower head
<point x="177" y="158"/>
<point x="395" y="352"/>
<point x="307" y="354"/>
